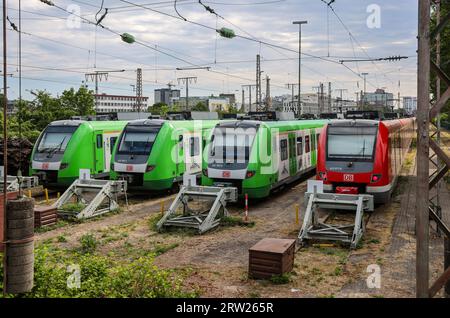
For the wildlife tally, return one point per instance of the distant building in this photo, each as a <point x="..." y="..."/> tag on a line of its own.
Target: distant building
<point x="167" y="96"/>
<point x="379" y="99"/>
<point x="218" y="104"/>
<point x="231" y="98"/>
<point x="310" y="104"/>
<point x="105" y="103"/>
<point x="342" y="106"/>
<point x="410" y="105"/>
<point x="11" y="107"/>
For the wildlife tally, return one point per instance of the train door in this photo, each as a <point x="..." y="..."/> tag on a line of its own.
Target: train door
<point x="283" y="162"/>
<point x="292" y="155"/>
<point x="109" y="140"/>
<point x="98" y="152"/>
<point x="300" y="150"/>
<point x="192" y="152"/>
<point x="307" y="153"/>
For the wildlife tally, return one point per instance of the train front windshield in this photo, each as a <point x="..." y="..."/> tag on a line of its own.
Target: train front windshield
<point x="232" y="145"/>
<point x="351" y="143"/>
<point x="55" y="139"/>
<point x="139" y="142"/>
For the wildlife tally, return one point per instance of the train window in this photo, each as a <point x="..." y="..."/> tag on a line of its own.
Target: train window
<point x="99" y="141"/>
<point x="354" y="143"/>
<point x="299" y="146"/>
<point x="194" y="146"/>
<point x="307" y="145"/>
<point x="284" y="149"/>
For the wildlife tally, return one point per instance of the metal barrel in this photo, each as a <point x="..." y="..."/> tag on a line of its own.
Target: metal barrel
<point x="20" y="245"/>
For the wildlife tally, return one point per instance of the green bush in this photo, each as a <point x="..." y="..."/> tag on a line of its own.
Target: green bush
<point x="100" y="277"/>
<point x="88" y="243"/>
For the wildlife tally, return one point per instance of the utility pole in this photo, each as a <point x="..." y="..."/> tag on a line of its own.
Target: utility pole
<point x="292" y="86"/>
<point x="243" y="100"/>
<point x="300" y="23"/>
<point x="340" y="90"/>
<point x="329" y="97"/>
<point x="249" y="87"/>
<point x="97" y="77"/>
<point x="365" y="89"/>
<point x="268" y="98"/>
<point x="423" y="143"/>
<point x="5" y="147"/>
<point x="138" y="90"/>
<point x="186" y="81"/>
<point x="258" y="83"/>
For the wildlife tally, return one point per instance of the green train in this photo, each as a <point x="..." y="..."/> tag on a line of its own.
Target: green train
<point x="258" y="157"/>
<point x="67" y="146"/>
<point x="154" y="154"/>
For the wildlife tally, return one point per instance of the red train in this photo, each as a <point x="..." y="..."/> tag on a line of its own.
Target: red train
<point x="364" y="156"/>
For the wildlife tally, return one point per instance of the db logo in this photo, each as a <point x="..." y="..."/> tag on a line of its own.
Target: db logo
<point x="226" y="174"/>
<point x="348" y="177"/>
<point x="129" y="168"/>
<point x="45" y="166"/>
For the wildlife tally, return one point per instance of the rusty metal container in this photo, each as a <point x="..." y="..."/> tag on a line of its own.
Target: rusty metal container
<point x="271" y="257"/>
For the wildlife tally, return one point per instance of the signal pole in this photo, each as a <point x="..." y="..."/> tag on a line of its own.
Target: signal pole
<point x="249" y="87"/>
<point x="186" y="81"/>
<point x="292" y="87"/>
<point x="138" y="90"/>
<point x="300" y="23"/>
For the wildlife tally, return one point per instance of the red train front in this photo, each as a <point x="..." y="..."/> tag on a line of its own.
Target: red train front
<point x="364" y="156"/>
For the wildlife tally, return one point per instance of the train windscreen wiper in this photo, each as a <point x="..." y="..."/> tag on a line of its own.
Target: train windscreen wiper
<point x="53" y="150"/>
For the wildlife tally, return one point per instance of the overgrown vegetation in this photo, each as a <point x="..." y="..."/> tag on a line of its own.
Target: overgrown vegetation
<point x="73" y="207"/>
<point x="99" y="277"/>
<point x="236" y="221"/>
<point x="88" y="243"/>
<point x="280" y="279"/>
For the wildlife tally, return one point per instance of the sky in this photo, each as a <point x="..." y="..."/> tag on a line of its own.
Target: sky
<point x="59" y="48"/>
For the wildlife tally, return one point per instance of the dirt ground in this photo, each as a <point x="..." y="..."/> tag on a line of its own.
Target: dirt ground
<point x="218" y="260"/>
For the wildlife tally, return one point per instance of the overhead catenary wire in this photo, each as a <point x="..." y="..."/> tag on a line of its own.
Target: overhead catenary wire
<point x="140" y="42"/>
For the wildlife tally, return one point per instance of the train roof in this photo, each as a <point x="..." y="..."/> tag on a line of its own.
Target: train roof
<point x="173" y="123"/>
<point x="92" y="124"/>
<point x="389" y="124"/>
<point x="272" y="124"/>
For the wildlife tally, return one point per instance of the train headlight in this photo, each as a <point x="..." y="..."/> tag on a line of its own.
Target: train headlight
<point x="250" y="174"/>
<point x="63" y="166"/>
<point x="375" y="178"/>
<point x="150" y="168"/>
<point x="323" y="176"/>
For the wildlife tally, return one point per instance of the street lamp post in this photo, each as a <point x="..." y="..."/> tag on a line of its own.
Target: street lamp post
<point x="299" y="23"/>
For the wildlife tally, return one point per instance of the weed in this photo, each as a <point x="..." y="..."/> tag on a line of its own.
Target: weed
<point x="61" y="239"/>
<point x="73" y="207"/>
<point x="161" y="249"/>
<point x="280" y="279"/>
<point x="338" y="271"/>
<point x="235" y="221"/>
<point x="88" y="243"/>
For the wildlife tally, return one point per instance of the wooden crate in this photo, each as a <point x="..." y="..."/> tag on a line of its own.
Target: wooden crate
<point x="45" y="216"/>
<point x="271" y="257"/>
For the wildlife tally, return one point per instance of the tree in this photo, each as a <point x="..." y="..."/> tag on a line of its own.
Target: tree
<point x="200" y="107"/>
<point x="82" y="101"/>
<point x="158" y="108"/>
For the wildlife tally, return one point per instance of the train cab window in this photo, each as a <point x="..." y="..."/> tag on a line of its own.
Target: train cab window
<point x="307" y="145"/>
<point x="283" y="149"/>
<point x="138" y="142"/>
<point x="351" y="143"/>
<point x="194" y="146"/>
<point x="299" y="146"/>
<point x="113" y="143"/>
<point x="99" y="141"/>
